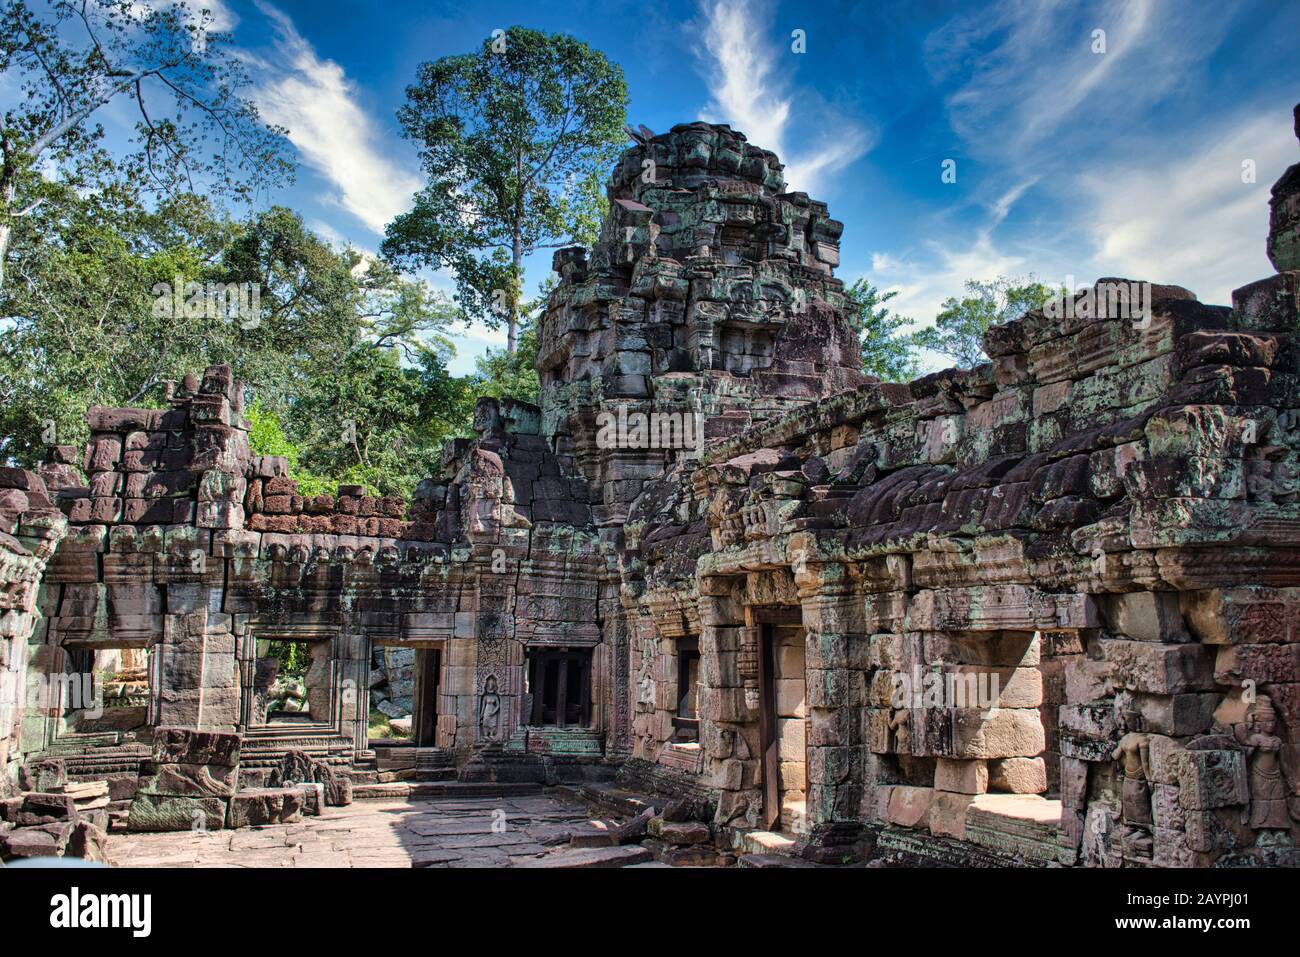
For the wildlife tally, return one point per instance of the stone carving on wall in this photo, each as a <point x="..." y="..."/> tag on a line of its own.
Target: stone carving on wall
<point x="1268" y="790"/>
<point x="1134" y="754"/>
<point x="489" y="712"/>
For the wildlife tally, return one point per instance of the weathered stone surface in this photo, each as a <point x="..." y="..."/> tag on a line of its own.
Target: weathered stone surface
<point x="166" y="812"/>
<point x="1018" y="775"/>
<point x="257" y="806"/>
<point x="190" y="747"/>
<point x="1104" y="519"/>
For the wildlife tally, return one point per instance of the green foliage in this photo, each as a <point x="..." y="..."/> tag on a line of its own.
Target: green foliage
<point x="66" y="61"/>
<point x="266" y="437"/>
<point x="886" y="353"/>
<point x="293" y="655"/>
<point x="81" y="327"/>
<point x="335" y="339"/>
<point x="379" y="423"/>
<point x="505" y="374"/>
<point x="958" y="331"/>
<point x="515" y="140"/>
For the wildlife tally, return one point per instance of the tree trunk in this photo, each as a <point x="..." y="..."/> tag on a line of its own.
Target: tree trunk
<point x="8" y="187"/>
<point x="512" y="323"/>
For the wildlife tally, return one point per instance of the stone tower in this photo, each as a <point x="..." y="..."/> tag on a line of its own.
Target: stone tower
<point x="710" y="297"/>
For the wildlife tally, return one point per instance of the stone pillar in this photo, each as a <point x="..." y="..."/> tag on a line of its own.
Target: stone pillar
<point x="836" y="652"/>
<point x="728" y="715"/>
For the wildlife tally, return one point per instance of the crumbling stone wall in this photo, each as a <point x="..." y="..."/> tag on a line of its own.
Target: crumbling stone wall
<point x="1098" y="528"/>
<point x="30" y="530"/>
<point x="183" y="542"/>
<point x="1117" y="491"/>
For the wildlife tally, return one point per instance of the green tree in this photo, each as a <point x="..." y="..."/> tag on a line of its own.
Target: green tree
<point x="379" y="423"/>
<point x="886" y="353"/>
<point x="505" y="374"/>
<point x="81" y="327"/>
<point x="334" y="338"/>
<point x="958" y="330"/>
<point x="515" y="140"/>
<point x="69" y="60"/>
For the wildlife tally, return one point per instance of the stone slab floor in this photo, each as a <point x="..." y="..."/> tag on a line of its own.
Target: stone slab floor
<point x="477" y="832"/>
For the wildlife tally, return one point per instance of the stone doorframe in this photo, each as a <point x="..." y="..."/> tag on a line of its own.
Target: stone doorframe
<point x="343" y="687"/>
<point x="824" y="599"/>
<point x="48" y="662"/>
<point x="443" y="738"/>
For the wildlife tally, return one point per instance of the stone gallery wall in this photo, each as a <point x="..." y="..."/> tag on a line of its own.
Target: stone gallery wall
<point x="1105" y="518"/>
<point x="30" y="530"/>
<point x="1045" y="610"/>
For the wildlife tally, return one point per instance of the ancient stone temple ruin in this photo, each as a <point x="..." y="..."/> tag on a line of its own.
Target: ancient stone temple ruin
<point x="1042" y="611"/>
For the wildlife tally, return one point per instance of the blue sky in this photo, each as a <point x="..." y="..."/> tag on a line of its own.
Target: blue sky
<point x="1070" y="161"/>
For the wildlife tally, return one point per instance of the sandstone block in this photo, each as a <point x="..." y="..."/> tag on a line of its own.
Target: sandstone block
<point x="258" y="806"/>
<point x="962" y="777"/>
<point x="1018" y="775"/>
<point x="909" y="806"/>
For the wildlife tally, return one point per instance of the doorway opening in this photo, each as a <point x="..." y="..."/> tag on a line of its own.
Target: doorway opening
<point x="783" y="715"/>
<point x="405" y="684"/>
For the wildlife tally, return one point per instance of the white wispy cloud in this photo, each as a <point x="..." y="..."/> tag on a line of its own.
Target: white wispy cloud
<point x="1022" y="70"/>
<point x="314" y="99"/>
<point x="748" y="78"/>
<point x="1186" y="216"/>
<point x="1037" y="108"/>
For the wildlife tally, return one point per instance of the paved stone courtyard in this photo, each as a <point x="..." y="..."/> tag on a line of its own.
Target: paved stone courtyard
<point x="479" y="832"/>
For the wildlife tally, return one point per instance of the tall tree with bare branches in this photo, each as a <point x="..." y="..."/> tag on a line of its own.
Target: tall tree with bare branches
<point x="70" y="59"/>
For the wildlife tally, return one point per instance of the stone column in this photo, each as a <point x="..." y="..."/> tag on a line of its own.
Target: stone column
<point x="836" y="651"/>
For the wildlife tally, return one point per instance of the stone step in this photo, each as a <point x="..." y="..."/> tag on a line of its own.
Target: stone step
<point x="425" y="775"/>
<point x="766" y="842"/>
<point x="770" y="861"/>
<point x="442" y="789"/>
<point x="588" y="857"/>
<point x="1020" y="825"/>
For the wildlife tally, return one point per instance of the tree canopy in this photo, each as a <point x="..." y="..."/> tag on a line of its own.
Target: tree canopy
<point x="515" y="140"/>
<point x="194" y="127"/>
<point x="347" y="357"/>
<point x="958" y="330"/>
<point x="887" y="353"/>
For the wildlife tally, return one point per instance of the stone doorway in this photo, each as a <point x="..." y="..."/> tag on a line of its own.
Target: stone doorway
<point x="782" y="722"/>
<point x="405" y="685"/>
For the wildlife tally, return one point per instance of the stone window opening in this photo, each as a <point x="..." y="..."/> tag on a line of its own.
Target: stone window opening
<point x="102" y="691"/>
<point x="291" y="683"/>
<point x="686" y="719"/>
<point x="559" y="682"/>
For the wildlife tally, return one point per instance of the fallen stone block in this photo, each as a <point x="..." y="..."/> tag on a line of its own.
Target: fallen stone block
<point x="38" y="809"/>
<point x="191" y="780"/>
<point x="50" y="840"/>
<point x="680" y="832"/>
<point x="167" y="812"/>
<point x="184" y="746"/>
<point x="592" y="857"/>
<point x="261" y="806"/>
<point x="313" y="798"/>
